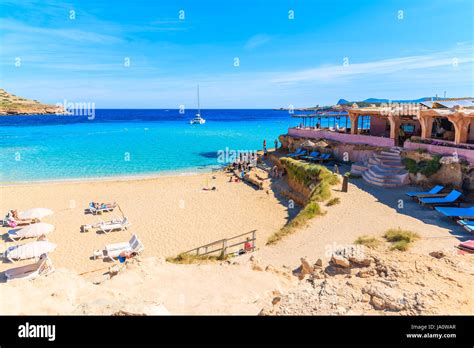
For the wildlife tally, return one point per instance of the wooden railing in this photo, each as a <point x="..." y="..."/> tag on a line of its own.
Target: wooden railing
<point x="223" y="246"/>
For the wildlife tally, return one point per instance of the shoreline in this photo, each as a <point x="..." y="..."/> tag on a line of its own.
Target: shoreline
<point x="193" y="171"/>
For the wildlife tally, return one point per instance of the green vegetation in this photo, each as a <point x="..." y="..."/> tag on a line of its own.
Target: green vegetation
<point x="333" y="201"/>
<point x="421" y="151"/>
<point x="319" y="180"/>
<point x="368" y="241"/>
<point x="193" y="258"/>
<point x="426" y="168"/>
<point x="400" y="238"/>
<point x="353" y="176"/>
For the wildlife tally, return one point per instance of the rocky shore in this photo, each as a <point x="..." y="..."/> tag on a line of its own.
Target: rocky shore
<point x="11" y="104"/>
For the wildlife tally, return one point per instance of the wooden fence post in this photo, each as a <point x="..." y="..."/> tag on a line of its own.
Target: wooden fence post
<point x="224" y="247"/>
<point x="253" y="240"/>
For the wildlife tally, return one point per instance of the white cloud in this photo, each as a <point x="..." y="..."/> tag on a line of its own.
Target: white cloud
<point x="257" y="41"/>
<point x="386" y="66"/>
<point x="19" y="28"/>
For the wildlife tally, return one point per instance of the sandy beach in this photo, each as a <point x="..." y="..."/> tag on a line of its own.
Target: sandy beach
<point x="170" y="214"/>
<point x="173" y="214"/>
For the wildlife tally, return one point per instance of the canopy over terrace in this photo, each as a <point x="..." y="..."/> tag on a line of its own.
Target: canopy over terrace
<point x="378" y="126"/>
<point x="461" y="118"/>
<point x="394" y="116"/>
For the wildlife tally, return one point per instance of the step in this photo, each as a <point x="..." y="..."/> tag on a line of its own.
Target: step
<point x="387" y="158"/>
<point x="386" y="178"/>
<point x="390" y="154"/>
<point x="387" y="171"/>
<point x="374" y="162"/>
<point x="393" y="182"/>
<point x="389" y="180"/>
<point x="381" y="182"/>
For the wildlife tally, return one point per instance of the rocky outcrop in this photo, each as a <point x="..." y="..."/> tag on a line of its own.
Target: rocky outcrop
<point x="359" y="280"/>
<point x="13" y="105"/>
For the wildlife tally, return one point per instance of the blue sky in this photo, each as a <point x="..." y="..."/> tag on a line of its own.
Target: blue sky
<point x="283" y="61"/>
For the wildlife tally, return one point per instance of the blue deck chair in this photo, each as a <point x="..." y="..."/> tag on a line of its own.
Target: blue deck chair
<point x="457" y="212"/>
<point x="298" y="152"/>
<point x="434" y="191"/>
<point x="467" y="224"/>
<point x="312" y="156"/>
<point x="450" y="199"/>
<point x="324" y="157"/>
<point x="301" y="154"/>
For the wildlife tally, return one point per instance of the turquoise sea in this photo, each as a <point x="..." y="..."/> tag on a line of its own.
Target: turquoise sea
<point x="129" y="142"/>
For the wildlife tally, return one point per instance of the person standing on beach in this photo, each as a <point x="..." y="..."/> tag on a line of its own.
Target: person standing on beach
<point x="276" y="144"/>
<point x="264" y="143"/>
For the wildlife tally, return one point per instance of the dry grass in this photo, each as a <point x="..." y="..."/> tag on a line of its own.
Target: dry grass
<point x="333" y="201"/>
<point x="187" y="259"/>
<point x="400" y="239"/>
<point x="368" y="241"/>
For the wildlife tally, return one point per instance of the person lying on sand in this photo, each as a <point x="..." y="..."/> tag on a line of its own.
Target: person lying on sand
<point x="125" y="255"/>
<point x="103" y="205"/>
<point x="213" y="188"/>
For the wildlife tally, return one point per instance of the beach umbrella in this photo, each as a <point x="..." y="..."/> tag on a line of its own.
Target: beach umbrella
<point x="29" y="250"/>
<point x="321" y="143"/>
<point x="30" y="231"/>
<point x="307" y="143"/>
<point x="36" y="213"/>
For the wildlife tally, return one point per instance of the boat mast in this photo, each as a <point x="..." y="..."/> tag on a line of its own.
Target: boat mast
<point x="199" y="104"/>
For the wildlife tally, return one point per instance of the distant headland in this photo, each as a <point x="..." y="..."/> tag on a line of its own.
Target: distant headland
<point x="11" y="104"/>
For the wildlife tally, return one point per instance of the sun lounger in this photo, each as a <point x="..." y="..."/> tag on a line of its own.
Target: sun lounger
<point x="324" y="157"/>
<point x="451" y="199"/>
<point x="102" y="208"/>
<point x="43" y="267"/>
<point x="297" y="153"/>
<point x="301" y="154"/>
<point x="29" y="250"/>
<point x="467" y="246"/>
<point x="108" y="226"/>
<point x="312" y="156"/>
<point x="467" y="224"/>
<point x="462" y="213"/>
<point x="30" y="231"/>
<point x="434" y="191"/>
<point x="113" y="251"/>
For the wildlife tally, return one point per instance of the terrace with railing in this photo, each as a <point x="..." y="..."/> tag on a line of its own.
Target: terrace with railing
<point x="441" y="127"/>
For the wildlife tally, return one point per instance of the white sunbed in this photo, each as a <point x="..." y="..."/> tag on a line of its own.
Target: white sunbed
<point x="109" y="226"/>
<point x="30" y="231"/>
<point x="29" y="250"/>
<point x="43" y="267"/>
<point x="102" y="209"/>
<point x="113" y="251"/>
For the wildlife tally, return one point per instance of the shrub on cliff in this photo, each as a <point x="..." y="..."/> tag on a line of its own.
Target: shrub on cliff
<point x="315" y="177"/>
<point x="426" y="168"/>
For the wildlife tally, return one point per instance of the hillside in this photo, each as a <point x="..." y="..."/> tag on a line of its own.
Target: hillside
<point x="11" y="104"/>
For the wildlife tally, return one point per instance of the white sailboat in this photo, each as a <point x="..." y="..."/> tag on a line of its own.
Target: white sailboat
<point x="197" y="118"/>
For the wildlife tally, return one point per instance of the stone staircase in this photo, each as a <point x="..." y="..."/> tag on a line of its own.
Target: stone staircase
<point x="384" y="168"/>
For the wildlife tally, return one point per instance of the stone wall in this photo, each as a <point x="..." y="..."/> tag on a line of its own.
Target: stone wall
<point x="453" y="172"/>
<point x="341" y="151"/>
